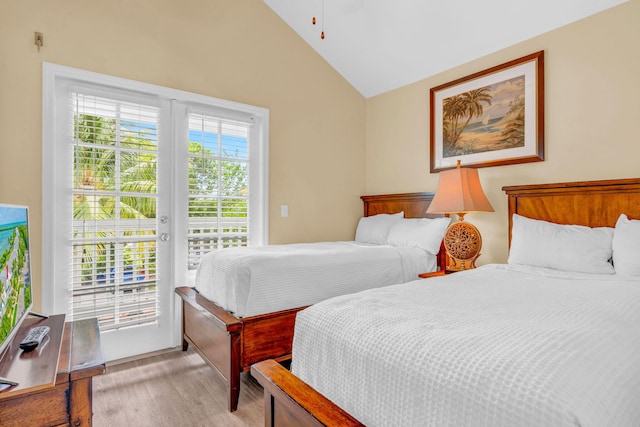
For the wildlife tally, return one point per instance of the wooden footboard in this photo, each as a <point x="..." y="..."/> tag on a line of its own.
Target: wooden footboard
<point x="230" y="345"/>
<point x="289" y="401"/>
<point x="216" y="336"/>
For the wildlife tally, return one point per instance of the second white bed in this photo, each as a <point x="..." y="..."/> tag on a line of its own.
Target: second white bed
<point x="256" y="280"/>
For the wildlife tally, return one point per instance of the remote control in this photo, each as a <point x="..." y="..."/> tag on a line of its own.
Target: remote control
<point x="34" y="337"/>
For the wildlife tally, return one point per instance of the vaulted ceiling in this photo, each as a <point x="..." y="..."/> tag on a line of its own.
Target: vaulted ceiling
<point x="380" y="45"/>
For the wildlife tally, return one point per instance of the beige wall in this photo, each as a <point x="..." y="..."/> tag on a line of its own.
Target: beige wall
<point x="321" y="128"/>
<point x="232" y="49"/>
<point x="592" y="108"/>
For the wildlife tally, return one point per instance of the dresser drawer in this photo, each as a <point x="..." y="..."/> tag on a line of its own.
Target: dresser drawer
<point x="44" y="408"/>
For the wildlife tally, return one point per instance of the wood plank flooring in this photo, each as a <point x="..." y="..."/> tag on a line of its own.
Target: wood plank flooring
<point x="172" y="389"/>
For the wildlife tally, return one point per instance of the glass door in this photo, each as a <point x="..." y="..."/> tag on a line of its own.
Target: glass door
<point x="119" y="255"/>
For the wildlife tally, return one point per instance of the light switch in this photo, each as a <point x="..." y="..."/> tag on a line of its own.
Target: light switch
<point x="284" y="211"/>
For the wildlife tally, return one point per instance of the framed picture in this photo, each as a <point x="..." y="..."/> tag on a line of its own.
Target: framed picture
<point x="490" y="118"/>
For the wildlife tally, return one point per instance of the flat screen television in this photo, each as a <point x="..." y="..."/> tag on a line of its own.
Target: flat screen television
<point x="15" y="271"/>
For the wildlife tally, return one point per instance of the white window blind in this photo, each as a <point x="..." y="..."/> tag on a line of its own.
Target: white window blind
<point x="219" y="171"/>
<point x="113" y="243"/>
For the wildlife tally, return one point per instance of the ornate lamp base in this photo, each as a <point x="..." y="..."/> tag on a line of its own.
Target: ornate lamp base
<point x="463" y="243"/>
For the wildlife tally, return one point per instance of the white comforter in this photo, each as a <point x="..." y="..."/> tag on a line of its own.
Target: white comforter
<point x="495" y="346"/>
<point x="257" y="280"/>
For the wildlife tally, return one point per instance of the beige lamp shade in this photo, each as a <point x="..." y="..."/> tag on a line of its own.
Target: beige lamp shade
<point x="459" y="191"/>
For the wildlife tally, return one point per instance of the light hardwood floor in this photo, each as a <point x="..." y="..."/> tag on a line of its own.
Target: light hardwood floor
<point x="171" y="389"/>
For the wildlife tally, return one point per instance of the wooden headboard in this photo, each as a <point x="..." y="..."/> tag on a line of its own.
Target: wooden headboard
<point x="590" y="203"/>
<point x="414" y="205"/>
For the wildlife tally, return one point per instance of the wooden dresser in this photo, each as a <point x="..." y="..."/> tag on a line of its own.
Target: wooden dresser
<point x="55" y="379"/>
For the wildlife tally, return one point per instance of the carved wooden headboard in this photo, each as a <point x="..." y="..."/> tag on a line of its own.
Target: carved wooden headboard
<point x="590" y="203"/>
<point x="414" y="205"/>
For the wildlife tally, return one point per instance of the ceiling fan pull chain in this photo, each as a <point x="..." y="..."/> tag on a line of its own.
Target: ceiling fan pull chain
<point x="313" y="20"/>
<point x="322" y="15"/>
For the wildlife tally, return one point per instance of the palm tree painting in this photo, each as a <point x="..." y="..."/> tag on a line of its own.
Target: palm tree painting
<point x="493" y="117"/>
<point x="485" y="119"/>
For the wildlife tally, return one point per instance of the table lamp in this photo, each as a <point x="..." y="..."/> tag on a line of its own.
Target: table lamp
<point x="459" y="191"/>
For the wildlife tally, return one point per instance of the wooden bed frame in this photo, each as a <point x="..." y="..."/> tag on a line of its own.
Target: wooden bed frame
<point x="230" y="345"/>
<point x="290" y="401"/>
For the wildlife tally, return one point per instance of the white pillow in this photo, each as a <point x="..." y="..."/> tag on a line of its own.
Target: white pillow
<point x="375" y="228"/>
<point x="626" y="246"/>
<point x="562" y="247"/>
<point x="424" y="233"/>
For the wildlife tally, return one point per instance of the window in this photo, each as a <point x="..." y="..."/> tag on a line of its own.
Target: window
<point x="113" y="274"/>
<point x="218" y="184"/>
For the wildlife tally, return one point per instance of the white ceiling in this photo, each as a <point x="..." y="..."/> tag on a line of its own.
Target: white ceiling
<point x="380" y="45"/>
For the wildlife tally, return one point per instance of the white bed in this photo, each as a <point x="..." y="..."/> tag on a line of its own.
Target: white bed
<point x="552" y="338"/>
<point x="256" y="280"/>
<point x="503" y="345"/>
<point x="232" y="339"/>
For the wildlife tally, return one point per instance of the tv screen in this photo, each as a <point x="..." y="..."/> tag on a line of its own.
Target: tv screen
<point x="15" y="271"/>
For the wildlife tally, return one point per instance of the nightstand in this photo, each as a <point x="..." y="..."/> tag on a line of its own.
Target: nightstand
<point x="433" y="274"/>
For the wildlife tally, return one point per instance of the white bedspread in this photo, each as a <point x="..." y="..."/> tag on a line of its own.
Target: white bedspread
<point x="495" y="346"/>
<point x="257" y="280"/>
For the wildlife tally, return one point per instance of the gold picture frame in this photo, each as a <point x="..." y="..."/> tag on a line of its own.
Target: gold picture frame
<point x="491" y="118"/>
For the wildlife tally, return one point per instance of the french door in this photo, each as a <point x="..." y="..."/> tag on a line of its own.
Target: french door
<point x="115" y="218"/>
<point x="138" y="182"/>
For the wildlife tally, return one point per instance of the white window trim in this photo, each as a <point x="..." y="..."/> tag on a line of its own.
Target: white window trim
<point x="53" y="77"/>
